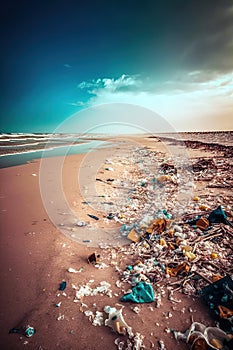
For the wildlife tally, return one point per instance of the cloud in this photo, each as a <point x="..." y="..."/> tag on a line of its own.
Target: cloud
<point x="66" y="65"/>
<point x="188" y="101"/>
<point x="123" y="83"/>
<point x="76" y="104"/>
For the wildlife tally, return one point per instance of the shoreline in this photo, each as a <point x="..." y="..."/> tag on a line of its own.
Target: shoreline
<point x="36" y="256"/>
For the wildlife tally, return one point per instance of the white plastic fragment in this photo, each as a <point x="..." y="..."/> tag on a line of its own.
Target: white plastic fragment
<point x="162" y="345"/>
<point x="86" y="290"/>
<point x="136" y="309"/>
<point x="116" y="321"/>
<point x="99" y="319"/>
<point x="71" y="270"/>
<point x="138" y="342"/>
<point x="60" y="317"/>
<point x="88" y="313"/>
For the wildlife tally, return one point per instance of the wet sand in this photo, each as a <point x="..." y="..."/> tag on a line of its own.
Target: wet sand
<point x="35" y="256"/>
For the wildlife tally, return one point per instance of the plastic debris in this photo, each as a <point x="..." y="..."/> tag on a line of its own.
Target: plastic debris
<point x="141" y="293"/>
<point x="93" y="216"/>
<point x="86" y="290"/>
<point x="181" y="268"/>
<point x="81" y="223"/>
<point x="133" y="236"/>
<point x="158" y="226"/>
<point x="93" y="258"/>
<point x="28" y="331"/>
<point x="162" y="345"/>
<point x="62" y="285"/>
<point x="202" y="223"/>
<point x="219" y="298"/>
<point x="218" y="216"/>
<point x="200" y="337"/>
<point x="98" y="319"/>
<point x="71" y="270"/>
<point x="116" y="321"/>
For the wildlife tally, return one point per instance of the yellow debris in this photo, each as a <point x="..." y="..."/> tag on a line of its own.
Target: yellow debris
<point x="162" y="242"/>
<point x="191" y="256"/>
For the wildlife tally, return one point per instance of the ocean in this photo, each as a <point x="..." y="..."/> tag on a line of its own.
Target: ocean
<point x="21" y="148"/>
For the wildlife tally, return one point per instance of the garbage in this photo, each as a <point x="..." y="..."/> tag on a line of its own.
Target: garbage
<point x="81" y="223"/>
<point x="200" y="337"/>
<point x="116" y="321"/>
<point x="27" y="331"/>
<point x="138" y="341"/>
<point x="71" y="270"/>
<point x="134" y="343"/>
<point x="181" y="268"/>
<point x="133" y="236"/>
<point x="110" y="216"/>
<point x="62" y="285"/>
<point x="93" y="258"/>
<point x="141" y="293"/>
<point x="163" y="178"/>
<point x="219" y="298"/>
<point x="203" y="164"/>
<point x="109" y="169"/>
<point x="168" y="168"/>
<point x="86" y="290"/>
<point x="158" y="226"/>
<point x="218" y="216"/>
<point x="98" y="319"/>
<point x="202" y="223"/>
<point x="93" y="216"/>
<point x="162" y="345"/>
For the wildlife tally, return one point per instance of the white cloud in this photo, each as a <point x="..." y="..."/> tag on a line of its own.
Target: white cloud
<point x="124" y="82"/>
<point x="187" y="104"/>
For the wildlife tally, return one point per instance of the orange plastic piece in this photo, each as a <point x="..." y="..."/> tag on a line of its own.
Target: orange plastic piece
<point x="158" y="226"/>
<point x="163" y="178"/>
<point x="133" y="236"/>
<point x="224" y="312"/>
<point x="162" y="242"/>
<point x="202" y="223"/>
<point x="174" y="271"/>
<point x="203" y="207"/>
<point x="216" y="277"/>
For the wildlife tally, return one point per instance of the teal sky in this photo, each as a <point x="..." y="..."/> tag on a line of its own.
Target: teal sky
<point x="60" y="57"/>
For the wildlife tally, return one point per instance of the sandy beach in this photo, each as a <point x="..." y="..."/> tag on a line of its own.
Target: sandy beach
<point x="40" y="241"/>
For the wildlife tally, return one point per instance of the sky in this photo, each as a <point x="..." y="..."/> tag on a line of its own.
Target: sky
<point x="62" y="57"/>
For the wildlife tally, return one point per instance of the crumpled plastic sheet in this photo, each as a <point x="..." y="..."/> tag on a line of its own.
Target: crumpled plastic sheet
<point x="141" y="293"/>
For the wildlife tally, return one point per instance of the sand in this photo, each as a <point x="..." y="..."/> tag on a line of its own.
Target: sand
<point x="35" y="256"/>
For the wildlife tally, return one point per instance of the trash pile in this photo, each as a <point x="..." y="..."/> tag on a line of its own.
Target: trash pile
<point x="200" y="337"/>
<point x="173" y="249"/>
<point x="178" y="243"/>
<point x="148" y="179"/>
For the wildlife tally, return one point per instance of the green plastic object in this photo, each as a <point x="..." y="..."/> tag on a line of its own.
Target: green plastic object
<point x="142" y="293"/>
<point x="29" y="331"/>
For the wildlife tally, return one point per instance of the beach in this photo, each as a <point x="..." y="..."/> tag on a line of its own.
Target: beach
<point x="42" y="237"/>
